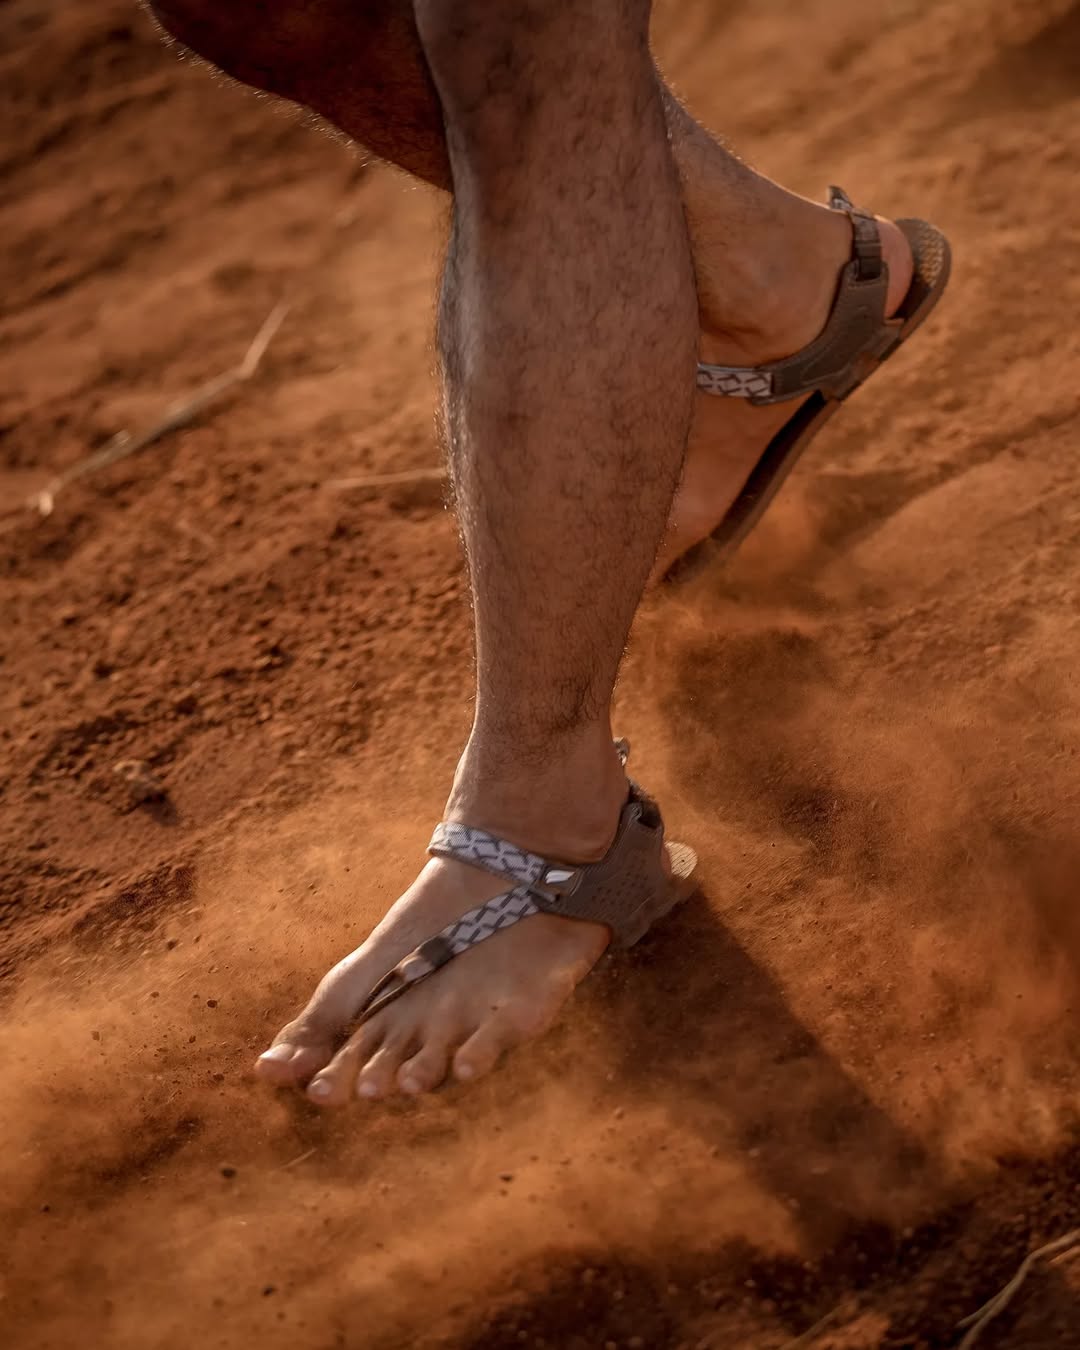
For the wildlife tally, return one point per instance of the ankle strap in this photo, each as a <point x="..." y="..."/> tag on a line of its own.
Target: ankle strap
<point x="479" y="848"/>
<point x="856" y="333"/>
<point x="865" y="235"/>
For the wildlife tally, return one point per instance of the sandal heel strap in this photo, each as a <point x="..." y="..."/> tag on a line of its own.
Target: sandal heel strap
<point x="854" y="338"/>
<point x="619" y="891"/>
<point x="628" y="888"/>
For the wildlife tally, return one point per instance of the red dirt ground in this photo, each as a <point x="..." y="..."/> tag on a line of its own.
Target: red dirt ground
<point x="845" y="1079"/>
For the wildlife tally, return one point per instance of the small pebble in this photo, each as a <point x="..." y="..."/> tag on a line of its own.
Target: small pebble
<point x="227" y="1171"/>
<point x="270" y="1289"/>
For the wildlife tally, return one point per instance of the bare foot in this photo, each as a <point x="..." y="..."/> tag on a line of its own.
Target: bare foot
<point x="494" y="996"/>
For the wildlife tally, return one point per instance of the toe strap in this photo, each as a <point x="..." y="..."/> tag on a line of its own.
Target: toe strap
<point x="472" y="928"/>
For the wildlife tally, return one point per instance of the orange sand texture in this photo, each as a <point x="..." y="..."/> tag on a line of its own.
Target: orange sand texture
<point x="845" y="1078"/>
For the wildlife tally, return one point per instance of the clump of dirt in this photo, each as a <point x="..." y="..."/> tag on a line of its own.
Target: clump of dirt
<point x="839" y="1090"/>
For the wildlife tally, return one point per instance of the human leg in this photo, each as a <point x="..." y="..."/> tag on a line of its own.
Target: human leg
<point x="568" y="336"/>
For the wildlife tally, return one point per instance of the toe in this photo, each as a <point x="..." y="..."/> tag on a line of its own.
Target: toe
<point x="481" y="1051"/>
<point x="306" y="1045"/>
<point x="289" y="1063"/>
<point x="378" y="1076"/>
<point x="426" y="1070"/>
<point x="274" y="1065"/>
<point x="333" y="1085"/>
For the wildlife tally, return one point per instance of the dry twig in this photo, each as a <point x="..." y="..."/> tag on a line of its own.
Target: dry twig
<point x="980" y="1320"/>
<point x="294" y="1161"/>
<point x="177" y="414"/>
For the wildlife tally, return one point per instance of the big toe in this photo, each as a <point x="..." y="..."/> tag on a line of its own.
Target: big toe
<point x="295" y="1057"/>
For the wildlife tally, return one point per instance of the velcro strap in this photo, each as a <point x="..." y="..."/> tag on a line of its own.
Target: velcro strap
<point x="865" y="236"/>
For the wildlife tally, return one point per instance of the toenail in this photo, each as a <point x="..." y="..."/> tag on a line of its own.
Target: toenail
<point x="367" y="1090"/>
<point x="464" y="1070"/>
<point x="411" y="1086"/>
<point x="278" y="1053"/>
<point x="321" y="1088"/>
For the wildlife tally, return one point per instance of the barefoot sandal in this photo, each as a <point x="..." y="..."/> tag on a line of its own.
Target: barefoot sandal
<point x="628" y="890"/>
<point x="856" y="339"/>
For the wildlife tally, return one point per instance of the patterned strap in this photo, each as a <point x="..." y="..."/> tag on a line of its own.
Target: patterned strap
<point x="488" y="919"/>
<point x="481" y="849"/>
<point x="468" y="931"/>
<point x="828" y="362"/>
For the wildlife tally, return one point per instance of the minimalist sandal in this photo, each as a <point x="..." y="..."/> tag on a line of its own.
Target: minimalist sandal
<point x="628" y="890"/>
<point x="851" y="346"/>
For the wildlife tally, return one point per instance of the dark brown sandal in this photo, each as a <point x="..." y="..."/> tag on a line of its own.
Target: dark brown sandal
<point x="856" y="339"/>
<point x="628" y="890"/>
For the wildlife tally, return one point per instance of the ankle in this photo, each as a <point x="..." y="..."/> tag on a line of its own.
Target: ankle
<point x="561" y="800"/>
<point x="765" y="257"/>
<point x="766" y="292"/>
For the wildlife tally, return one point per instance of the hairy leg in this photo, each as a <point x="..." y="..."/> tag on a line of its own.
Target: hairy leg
<point x="568" y="332"/>
<point x="568" y="336"/>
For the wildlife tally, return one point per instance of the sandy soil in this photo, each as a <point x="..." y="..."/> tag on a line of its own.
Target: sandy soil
<point x="845" y="1079"/>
